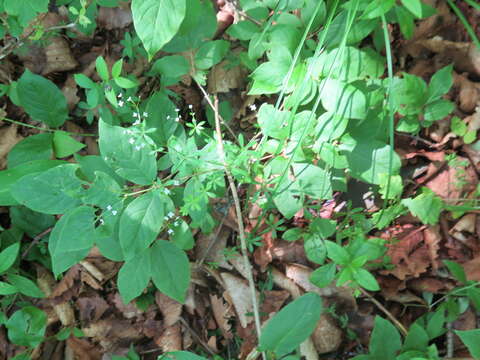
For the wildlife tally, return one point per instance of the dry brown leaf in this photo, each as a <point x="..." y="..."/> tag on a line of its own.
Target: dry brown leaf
<point x="91" y="308"/>
<point x="327" y="336"/>
<point x="211" y="247"/>
<point x="222" y="314"/>
<point x="8" y="139"/>
<point x="432" y="238"/>
<point x="468" y="93"/>
<point x="114" y="18"/>
<point x="472" y="269"/>
<point x="170" y="309"/>
<point x="466" y="223"/>
<point x="170" y="339"/>
<point x="222" y="78"/>
<point x="239" y="294"/>
<point x="129" y="311"/>
<point x="69" y="90"/>
<point x="67" y="287"/>
<point x="273" y="301"/>
<point x="83" y="349"/>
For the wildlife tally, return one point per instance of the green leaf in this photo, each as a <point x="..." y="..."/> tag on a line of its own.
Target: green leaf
<point x="426" y="206"/>
<point x="25" y="10"/>
<point x="141" y="222"/>
<point x="182" y="235"/>
<point x="273" y="122"/>
<point x="324" y="275"/>
<point x="385" y="340"/>
<point x="286" y="197"/>
<point x="26" y="327"/>
<point x="315" y="248"/>
<point x="243" y="30"/>
<point x="366" y="279"/>
<point x="84" y="81"/>
<point x="343" y="99"/>
<point x="64" y="145"/>
<point x="292" y="234"/>
<point x="56" y="190"/>
<point x="161" y="116"/>
<point x="117" y="68"/>
<point x="458" y="126"/>
<point x="125" y="83"/>
<point x="134" y="276"/>
<point x="456" y="270"/>
<point x="102" y="68"/>
<point x="337" y="253"/>
<point x="268" y="77"/>
<point x="104" y="192"/>
<point x="9" y="177"/>
<point x="313" y="181"/>
<point x="170" y="270"/>
<point x="130" y="156"/>
<point x="406" y="21"/>
<point x="42" y="99"/>
<point x="438" y="110"/>
<point x="440" y="83"/>
<point x="71" y="238"/>
<point x="25" y="286"/>
<point x="329" y="127"/>
<point x="471" y="338"/>
<point x="90" y="164"/>
<point x="211" y="53"/>
<point x="417" y="339"/>
<point x="171" y="66"/>
<point x="33" y="147"/>
<point x="414" y="6"/>
<point x="292" y="325"/>
<point x="181" y="355"/>
<point x="377" y="8"/>
<point x="368" y="159"/>
<point x="7" y="289"/>
<point x="157" y="21"/>
<point x="435" y="324"/>
<point x="8" y="257"/>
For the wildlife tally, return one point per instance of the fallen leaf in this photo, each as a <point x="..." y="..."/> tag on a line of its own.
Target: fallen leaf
<point x="327" y="336"/>
<point x="222" y="314"/>
<point x="83" y="349"/>
<point x="472" y="269"/>
<point x="91" y="308"/>
<point x="8" y="139"/>
<point x="170" y="339"/>
<point x="239" y="294"/>
<point x="117" y="17"/>
<point x="170" y="309"/>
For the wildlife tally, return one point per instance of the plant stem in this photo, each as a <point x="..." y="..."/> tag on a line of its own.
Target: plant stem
<point x="241" y="228"/>
<point x="41" y="129"/>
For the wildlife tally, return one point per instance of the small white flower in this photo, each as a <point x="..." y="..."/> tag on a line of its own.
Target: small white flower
<point x="135" y="115"/>
<point x="129" y="98"/>
<point x="109" y="207"/>
<point x="170" y="231"/>
<point x="175" y="183"/>
<point x="137" y="122"/>
<point x="129" y="132"/>
<point x="190" y="106"/>
<point x="102" y="222"/>
<point x="114" y="212"/>
<point x="168" y="117"/>
<point x="131" y="140"/>
<point x="105" y="158"/>
<point x="177" y="119"/>
<point x="170" y="215"/>
<point x="166" y="218"/>
<point x="166" y="191"/>
<point x="119" y="95"/>
<point x="137" y="147"/>
<point x="176" y="223"/>
<point x="120" y="103"/>
<point x="177" y="109"/>
<point x="145" y="114"/>
<point x="253" y="107"/>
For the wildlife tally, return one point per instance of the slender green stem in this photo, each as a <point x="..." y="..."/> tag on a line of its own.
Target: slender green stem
<point x="473" y="4"/>
<point x="42" y="129"/>
<point x="465" y="23"/>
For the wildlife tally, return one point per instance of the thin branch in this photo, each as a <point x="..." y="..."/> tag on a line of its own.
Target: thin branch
<point x="40" y="128"/>
<point x="35" y="240"/>
<point x="241" y="228"/>
<point x="196" y="336"/>
<point x="392" y="318"/>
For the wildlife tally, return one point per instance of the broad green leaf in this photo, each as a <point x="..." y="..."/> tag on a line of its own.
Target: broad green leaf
<point x="273" y="122"/>
<point x="377" y="8"/>
<point x="368" y="159"/>
<point x="90" y="164"/>
<point x="471" y="338"/>
<point x="426" y="206"/>
<point x="141" y="222"/>
<point x="42" y="99"/>
<point x="157" y="21"/>
<point x="103" y="192"/>
<point x="71" y="238"/>
<point x="385" y="340"/>
<point x="243" y="30"/>
<point x="64" y="145"/>
<point x="34" y="147"/>
<point x="25" y="286"/>
<point x="315" y="248"/>
<point x="323" y="227"/>
<point x="128" y="154"/>
<point x="313" y="180"/>
<point x="337" y="253"/>
<point x="440" y="83"/>
<point x="406" y="21"/>
<point x="211" y="53"/>
<point x="456" y="270"/>
<point x="25" y="10"/>
<point x="414" y="6"/>
<point x="171" y="66"/>
<point x="438" y="110"/>
<point x="417" y="338"/>
<point x="292" y="325"/>
<point x="102" y="68"/>
<point x="182" y="235"/>
<point x="26" y="327"/>
<point x="359" y="30"/>
<point x="343" y="99"/>
<point x="286" y="197"/>
<point x="117" y="68"/>
<point x="324" y="275"/>
<point x="181" y="355"/>
<point x="366" y="279"/>
<point x="269" y="76"/>
<point x="7" y="289"/>
<point x="409" y="94"/>
<point x="329" y="127"/>
<point x="162" y="117"/>
<point x="56" y="190"/>
<point x="8" y="256"/>
<point x="125" y="83"/>
<point x="106" y="234"/>
<point x="435" y="324"/>
<point x="134" y="276"/>
<point x="9" y="177"/>
<point x="84" y="81"/>
<point x="170" y="269"/>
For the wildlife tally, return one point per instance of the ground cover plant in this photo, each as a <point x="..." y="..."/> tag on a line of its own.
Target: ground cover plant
<point x="198" y="179"/>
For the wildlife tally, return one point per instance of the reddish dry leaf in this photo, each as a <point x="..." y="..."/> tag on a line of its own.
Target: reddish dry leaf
<point x="152" y="328"/>
<point x="327" y="336"/>
<point x="432" y="237"/>
<point x="83" y="349"/>
<point x="289" y="252"/>
<point x="273" y="301"/>
<point x="472" y="269"/>
<point x="430" y="284"/>
<point x="170" y="309"/>
<point x="129" y="311"/>
<point x="222" y="315"/>
<point x="263" y="255"/>
<point x="68" y="287"/>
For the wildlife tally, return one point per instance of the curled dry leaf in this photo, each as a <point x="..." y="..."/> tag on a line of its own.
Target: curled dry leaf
<point x="222" y="314"/>
<point x="8" y="139"/>
<point x="170" y="339"/>
<point x="68" y="287"/>
<point x="91" y="308"/>
<point x="472" y="269"/>
<point x="239" y="295"/>
<point x="129" y="311"/>
<point x="327" y="336"/>
<point x="468" y="93"/>
<point x="170" y="309"/>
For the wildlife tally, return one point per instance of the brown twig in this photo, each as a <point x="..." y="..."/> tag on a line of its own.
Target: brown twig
<point x="196" y="336"/>
<point x="241" y="228"/>
<point x="392" y="318"/>
<point x="35" y="240"/>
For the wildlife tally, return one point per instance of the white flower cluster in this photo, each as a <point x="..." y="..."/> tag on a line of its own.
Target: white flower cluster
<point x="169" y="217"/>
